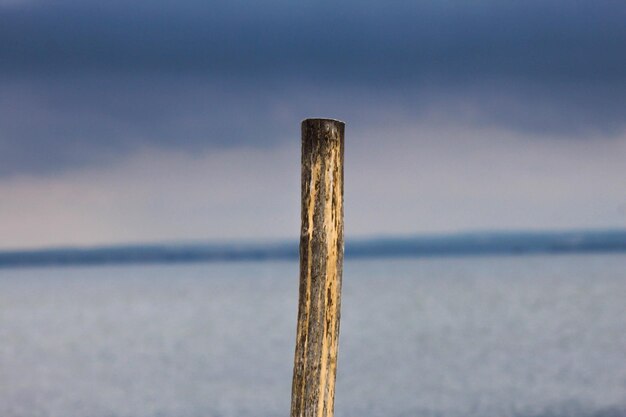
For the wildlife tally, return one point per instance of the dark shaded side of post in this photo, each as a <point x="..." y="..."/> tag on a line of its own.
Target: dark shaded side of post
<point x="321" y="267"/>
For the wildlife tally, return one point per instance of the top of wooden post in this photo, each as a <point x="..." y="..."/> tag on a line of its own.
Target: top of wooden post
<point x="317" y="129"/>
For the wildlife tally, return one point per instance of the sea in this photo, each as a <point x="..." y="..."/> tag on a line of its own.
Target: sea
<point x="538" y="335"/>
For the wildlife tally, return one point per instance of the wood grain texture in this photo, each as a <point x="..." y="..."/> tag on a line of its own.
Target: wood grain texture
<point x="321" y="267"/>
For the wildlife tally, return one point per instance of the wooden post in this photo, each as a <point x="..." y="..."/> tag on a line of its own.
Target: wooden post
<point x="321" y="267"/>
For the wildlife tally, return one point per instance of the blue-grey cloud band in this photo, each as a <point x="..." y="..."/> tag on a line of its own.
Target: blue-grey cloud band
<point x="85" y="81"/>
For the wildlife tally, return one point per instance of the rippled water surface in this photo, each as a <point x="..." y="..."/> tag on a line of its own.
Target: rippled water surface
<point x="527" y="336"/>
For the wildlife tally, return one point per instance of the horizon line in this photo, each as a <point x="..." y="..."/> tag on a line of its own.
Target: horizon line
<point x="475" y="243"/>
<point x="249" y="241"/>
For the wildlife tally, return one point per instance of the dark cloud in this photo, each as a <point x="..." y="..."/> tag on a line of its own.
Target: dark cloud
<point x="347" y="41"/>
<point x="85" y="81"/>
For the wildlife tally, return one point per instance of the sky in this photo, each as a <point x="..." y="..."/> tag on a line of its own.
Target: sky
<point x="170" y="121"/>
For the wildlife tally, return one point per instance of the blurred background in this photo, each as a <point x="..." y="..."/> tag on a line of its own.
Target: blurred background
<point x="167" y="121"/>
<point x="178" y="123"/>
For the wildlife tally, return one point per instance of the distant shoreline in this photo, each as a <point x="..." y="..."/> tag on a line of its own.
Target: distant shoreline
<point x="461" y="244"/>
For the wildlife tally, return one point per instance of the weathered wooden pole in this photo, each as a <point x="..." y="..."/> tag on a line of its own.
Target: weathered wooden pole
<point x="321" y="267"/>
